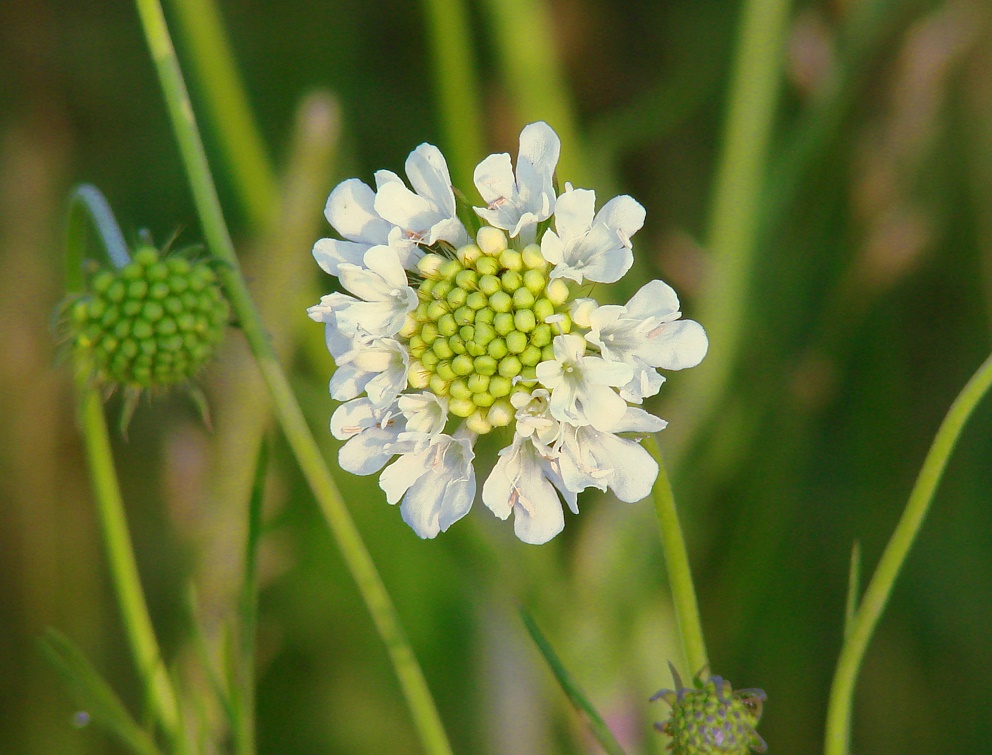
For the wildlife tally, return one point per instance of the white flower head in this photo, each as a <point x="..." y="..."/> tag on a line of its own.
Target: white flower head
<point x="587" y="247"/>
<point x="517" y="203"/>
<point x="438" y="340"/>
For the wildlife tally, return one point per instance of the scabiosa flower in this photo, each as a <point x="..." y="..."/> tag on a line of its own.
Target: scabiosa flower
<point x="711" y="717"/>
<point x="455" y="332"/>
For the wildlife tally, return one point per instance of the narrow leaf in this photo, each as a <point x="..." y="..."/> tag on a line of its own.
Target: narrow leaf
<point x="93" y="694"/>
<point x="575" y="696"/>
<point x="853" y="588"/>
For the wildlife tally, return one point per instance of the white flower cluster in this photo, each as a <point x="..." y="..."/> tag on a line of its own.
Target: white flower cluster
<point x="451" y="333"/>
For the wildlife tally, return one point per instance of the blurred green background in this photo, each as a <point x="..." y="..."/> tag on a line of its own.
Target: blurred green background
<point x="867" y="303"/>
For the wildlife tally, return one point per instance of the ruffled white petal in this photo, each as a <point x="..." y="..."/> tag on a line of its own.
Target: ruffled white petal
<point x="590" y="458"/>
<point x="350" y="209"/>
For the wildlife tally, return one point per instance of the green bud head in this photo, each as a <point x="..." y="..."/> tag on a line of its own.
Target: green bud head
<point x="530" y="356"/>
<point x="491" y="240"/>
<point x="477" y="300"/>
<point x="462" y="365"/>
<point x="446" y="325"/>
<point x="467" y="279"/>
<point x="457" y="296"/>
<point x="438" y="385"/>
<point x="477" y="383"/>
<point x="484" y="365"/>
<point x="511" y="259"/>
<point x="485" y="315"/>
<point x="461" y="407"/>
<point x="500" y="386"/>
<point x="444" y="371"/>
<point x="489" y="284"/>
<point x="484" y="399"/>
<point x="523" y="299"/>
<point x="511" y="280"/>
<point x="541" y="335"/>
<point x="487" y="266"/>
<point x="459" y="389"/>
<point x="469" y="254"/>
<point x="449" y="269"/>
<point x="533" y="258"/>
<point x="535" y="282"/>
<point x="557" y="292"/>
<point x="442" y="348"/>
<point x="501" y="413"/>
<point x="497" y="348"/>
<point x="464" y="315"/>
<point x="418" y="376"/>
<point x="478" y="423"/>
<point x="436" y="310"/>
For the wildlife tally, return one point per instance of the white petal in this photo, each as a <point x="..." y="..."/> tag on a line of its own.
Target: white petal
<point x="645" y="383"/>
<point x="574" y="213"/>
<point x="494" y="180"/>
<point x="351" y="210"/>
<point x="367" y="452"/>
<point x="624" y="214"/>
<point x="654" y="299"/>
<point x="348" y="381"/>
<point x="675" y="345"/>
<point x="601" y="372"/>
<point x="537" y="159"/>
<point x="397" y="478"/>
<point x="602" y="407"/>
<point x="634" y="471"/>
<point x="329" y="253"/>
<point x="639" y="421"/>
<point x="351" y="418"/>
<point x="428" y="173"/>
<point x="403" y="208"/>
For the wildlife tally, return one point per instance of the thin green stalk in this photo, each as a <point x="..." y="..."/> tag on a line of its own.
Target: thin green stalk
<point x="734" y="213"/>
<point x="87" y="203"/>
<point x="531" y="67"/>
<point x="677" y="563"/>
<point x="245" y="156"/>
<point x="877" y="595"/>
<point x="457" y="86"/>
<point x="294" y="426"/>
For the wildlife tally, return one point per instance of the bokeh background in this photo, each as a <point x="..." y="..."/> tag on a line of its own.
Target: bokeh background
<point x="864" y="248"/>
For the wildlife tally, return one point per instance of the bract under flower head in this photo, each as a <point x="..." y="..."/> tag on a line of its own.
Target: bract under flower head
<point x="451" y="337"/>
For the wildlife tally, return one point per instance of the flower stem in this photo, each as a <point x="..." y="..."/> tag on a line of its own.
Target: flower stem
<point x="291" y="419"/>
<point x="88" y="204"/>
<point x="677" y="562"/>
<point x="838" y="728"/>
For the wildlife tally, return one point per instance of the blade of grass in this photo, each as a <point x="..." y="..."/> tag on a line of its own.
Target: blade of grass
<point x="93" y="694"/>
<point x="579" y="701"/>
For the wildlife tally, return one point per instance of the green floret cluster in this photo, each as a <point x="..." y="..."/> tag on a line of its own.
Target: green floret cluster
<point x="712" y="717"/>
<point x="480" y="323"/>
<point x="153" y="322"/>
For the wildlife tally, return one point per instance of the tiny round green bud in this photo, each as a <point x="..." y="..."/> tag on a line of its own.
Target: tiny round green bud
<point x="445" y="371"/>
<point x="484" y="333"/>
<point x="484" y="365"/>
<point x="530" y="356"/>
<point x="417" y="346"/>
<point x="541" y="335"/>
<point x="159" y="290"/>
<point x="524" y="320"/>
<point x="462" y="365"/>
<point x="449" y="269"/>
<point x="442" y="348"/>
<point x="496" y="348"/>
<point x="457" y="344"/>
<point x="509" y="366"/>
<point x="427" y="287"/>
<point x="410" y="326"/>
<point x="477" y="300"/>
<point x="478" y="423"/>
<point x="446" y="325"/>
<point x="543" y="309"/>
<point x="501" y="301"/>
<point x="456" y="297"/>
<point x="167" y="326"/>
<point x="428" y="332"/>
<point x="469" y="254"/>
<point x="558" y="292"/>
<point x="430" y="264"/>
<point x="491" y="240"/>
<point x="459" y="389"/>
<point x="101" y="281"/>
<point x="477" y="383"/>
<point x="533" y="258"/>
<point x="137" y="289"/>
<point x="466" y="333"/>
<point x="467" y="279"/>
<point x="430" y="359"/>
<point x="461" y="407"/>
<point x="516" y="342"/>
<point x="489" y="285"/>
<point x="503" y="323"/>
<point x="511" y="280"/>
<point x="145" y="256"/>
<point x="535" y="282"/>
<point x="438" y="385"/>
<point x="420" y="313"/>
<point x="484" y="399"/>
<point x="485" y="316"/>
<point x="501" y="413"/>
<point x="487" y="266"/>
<point x="474" y="349"/>
<point x="436" y="310"/>
<point x="418" y="376"/>
<point x="159" y="272"/>
<point x="464" y="315"/>
<point x="511" y="259"/>
<point x="152" y="311"/>
<point x="117" y="291"/>
<point x="500" y="386"/>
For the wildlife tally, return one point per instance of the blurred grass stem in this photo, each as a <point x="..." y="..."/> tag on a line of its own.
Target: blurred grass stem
<point x="838" y="728"/>
<point x="737" y="197"/>
<point x="457" y="86"/>
<point x="287" y="409"/>
<point x="677" y="563"/>
<point x="241" y="145"/>
<point x="87" y="202"/>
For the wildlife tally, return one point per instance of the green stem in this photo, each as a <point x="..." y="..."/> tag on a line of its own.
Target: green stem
<point x="733" y="219"/>
<point x="226" y="103"/>
<point x="838" y="728"/>
<point x="87" y="203"/>
<point x="677" y="562"/>
<point x="457" y="86"/>
<point x="287" y="409"/>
